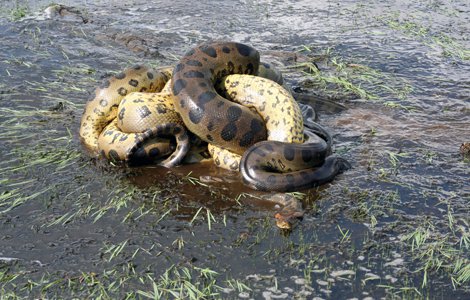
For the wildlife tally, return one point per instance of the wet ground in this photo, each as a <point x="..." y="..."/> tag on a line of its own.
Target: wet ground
<point x="395" y="226"/>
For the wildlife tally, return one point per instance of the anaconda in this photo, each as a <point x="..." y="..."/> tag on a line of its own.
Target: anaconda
<point x="234" y="127"/>
<point x="203" y="111"/>
<point x="101" y="109"/>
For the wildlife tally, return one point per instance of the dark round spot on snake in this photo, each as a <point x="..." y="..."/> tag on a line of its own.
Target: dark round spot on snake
<point x="154" y="152"/>
<point x="229" y="132"/>
<point x="105" y="84"/>
<point x="250" y="69"/>
<point x="306" y="155"/>
<point x="220" y="104"/>
<point x="124" y="137"/>
<point x="179" y="67"/>
<point x="103" y="102"/>
<point x="271" y="179"/>
<point x="161" y="108"/>
<point x="113" y="155"/>
<point x="137" y="67"/>
<point x="222" y="73"/>
<point x="231" y="67"/>
<point x="177" y="130"/>
<point x="206" y="97"/>
<point x="226" y="49"/>
<point x="178" y="85"/>
<point x="244" y="50"/>
<point x="193" y="74"/>
<point x="268" y="147"/>
<point x="210" y="126"/>
<point x="233" y="113"/>
<point x="182" y="103"/>
<point x="289" y="153"/>
<point x="122" y="91"/>
<point x="256" y="125"/>
<point x="267" y="66"/>
<point x="196" y="115"/>
<point x="133" y="82"/>
<point x="209" y="51"/>
<point x="144" y="112"/>
<point x="98" y="112"/>
<point x="120" y="75"/>
<point x="246" y="140"/>
<point x="202" y="84"/>
<point x="178" y="147"/>
<point x="234" y="166"/>
<point x="290" y="178"/>
<point x="149" y="75"/>
<point x="194" y="63"/>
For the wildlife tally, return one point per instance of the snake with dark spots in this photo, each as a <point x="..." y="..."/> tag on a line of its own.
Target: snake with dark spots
<point x="227" y="125"/>
<point x="237" y="128"/>
<point x="314" y="163"/>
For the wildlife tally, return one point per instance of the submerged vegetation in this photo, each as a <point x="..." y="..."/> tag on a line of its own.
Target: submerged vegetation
<point x="339" y="79"/>
<point x="437" y="40"/>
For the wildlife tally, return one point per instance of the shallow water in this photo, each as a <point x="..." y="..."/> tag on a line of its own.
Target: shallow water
<point x="395" y="226"/>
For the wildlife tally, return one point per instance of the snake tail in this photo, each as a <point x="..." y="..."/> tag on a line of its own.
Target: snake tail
<point x="166" y="130"/>
<point x="263" y="179"/>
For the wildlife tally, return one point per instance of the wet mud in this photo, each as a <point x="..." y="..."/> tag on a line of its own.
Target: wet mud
<point x="390" y="81"/>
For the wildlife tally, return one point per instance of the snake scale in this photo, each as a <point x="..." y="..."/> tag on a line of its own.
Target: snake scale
<point x="284" y="162"/>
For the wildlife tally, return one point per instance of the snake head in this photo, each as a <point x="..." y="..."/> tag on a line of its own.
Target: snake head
<point x="287" y="220"/>
<point x="465" y="149"/>
<point x="290" y="211"/>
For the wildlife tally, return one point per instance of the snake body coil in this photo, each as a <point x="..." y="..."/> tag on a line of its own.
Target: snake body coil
<point x="190" y="100"/>
<point x="207" y="114"/>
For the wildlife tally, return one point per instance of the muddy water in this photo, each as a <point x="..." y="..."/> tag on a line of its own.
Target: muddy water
<point x="394" y="226"/>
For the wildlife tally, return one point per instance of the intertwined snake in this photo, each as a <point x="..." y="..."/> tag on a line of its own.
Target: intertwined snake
<point x="266" y="129"/>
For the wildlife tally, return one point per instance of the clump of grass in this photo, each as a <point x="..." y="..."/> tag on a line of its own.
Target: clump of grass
<point x="372" y="204"/>
<point x="18" y="12"/>
<point x="449" y="46"/>
<point x="435" y="251"/>
<point x="183" y="283"/>
<point x="352" y="78"/>
<point x="175" y="282"/>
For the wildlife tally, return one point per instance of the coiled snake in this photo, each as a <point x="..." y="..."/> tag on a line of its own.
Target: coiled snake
<point x="266" y="128"/>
